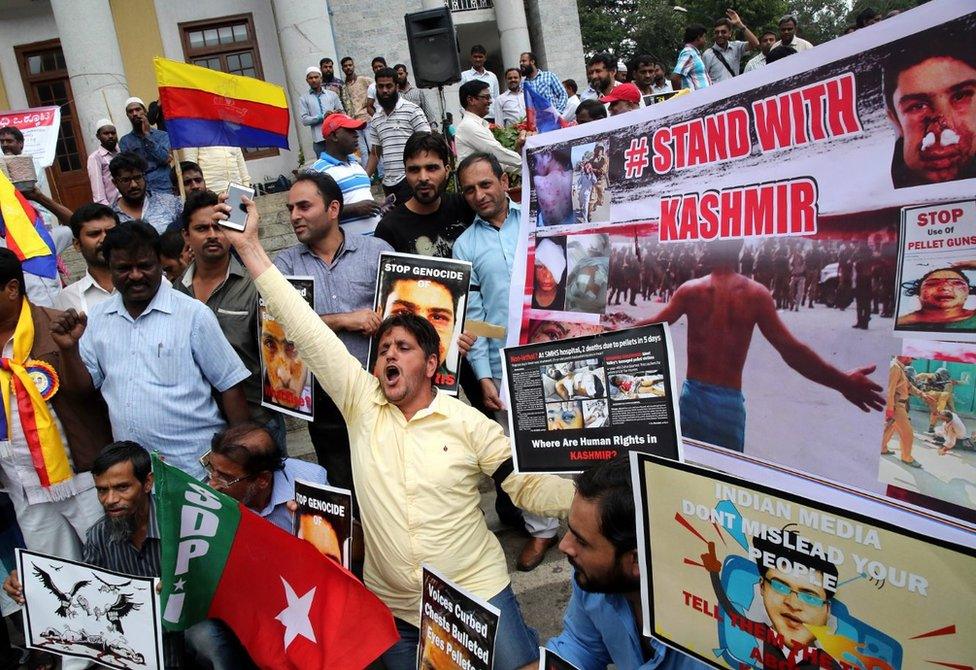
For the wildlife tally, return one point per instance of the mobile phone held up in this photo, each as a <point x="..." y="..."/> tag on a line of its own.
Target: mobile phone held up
<point x="238" y="212"/>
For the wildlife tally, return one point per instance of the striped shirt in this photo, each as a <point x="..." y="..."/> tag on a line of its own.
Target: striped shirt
<point x="390" y="132"/>
<point x="549" y="87"/>
<point x="107" y="549"/>
<point x="157" y="373"/>
<point x="352" y="179"/>
<point x="691" y="68"/>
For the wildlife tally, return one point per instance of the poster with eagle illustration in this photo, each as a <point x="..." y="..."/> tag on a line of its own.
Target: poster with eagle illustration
<point x="78" y="610"/>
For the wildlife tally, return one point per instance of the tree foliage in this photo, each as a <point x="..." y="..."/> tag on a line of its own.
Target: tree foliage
<point x="627" y="28"/>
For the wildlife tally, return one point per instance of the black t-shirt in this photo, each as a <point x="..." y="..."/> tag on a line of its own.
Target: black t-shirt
<point x="426" y="234"/>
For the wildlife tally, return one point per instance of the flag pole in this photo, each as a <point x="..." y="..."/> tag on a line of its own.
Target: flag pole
<point x="177" y="158"/>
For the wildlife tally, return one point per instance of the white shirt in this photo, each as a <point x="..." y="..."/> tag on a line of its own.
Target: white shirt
<point x="487" y="76"/>
<point x="509" y="107"/>
<point x="473" y="135"/>
<point x="755" y="63"/>
<point x="572" y="102"/>
<point x="82" y="295"/>
<point x="798" y="44"/>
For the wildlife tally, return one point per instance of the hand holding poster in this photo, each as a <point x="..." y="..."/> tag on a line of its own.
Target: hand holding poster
<point x="286" y="382"/>
<point x="324" y="518"/>
<point x="744" y="576"/>
<point x="761" y="220"/>
<point x="457" y="628"/>
<point x="77" y="610"/>
<point x="40" y="126"/>
<point x="434" y="288"/>
<point x="585" y="400"/>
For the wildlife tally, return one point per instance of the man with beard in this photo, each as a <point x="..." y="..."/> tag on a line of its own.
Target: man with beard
<point x="329" y="80"/>
<point x="89" y="224"/>
<point x="219" y="281"/>
<point x="315" y="105"/>
<point x="245" y="463"/>
<point x="600" y="71"/>
<point x="137" y="201"/>
<point x="150" y="144"/>
<point x="510" y="105"/>
<point x="103" y="190"/>
<point x="355" y="90"/>
<point x="360" y="211"/>
<point x="544" y="82"/>
<point x="158" y="356"/>
<point x="930" y="91"/>
<point x="126" y="540"/>
<point x="416" y="507"/>
<point x="431" y="220"/>
<point x="393" y="123"/>
<point x="603" y="621"/>
<point x="410" y="92"/>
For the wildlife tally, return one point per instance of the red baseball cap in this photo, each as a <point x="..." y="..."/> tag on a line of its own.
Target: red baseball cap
<point x="625" y="92"/>
<point x="333" y="122"/>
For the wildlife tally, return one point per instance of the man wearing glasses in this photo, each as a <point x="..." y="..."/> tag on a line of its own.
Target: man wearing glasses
<point x="136" y="201"/>
<point x="796" y="587"/>
<point x="244" y="463"/>
<point x="473" y="134"/>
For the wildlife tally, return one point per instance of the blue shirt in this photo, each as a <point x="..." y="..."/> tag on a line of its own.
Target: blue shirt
<point x="599" y="629"/>
<point x="162" y="211"/>
<point x="691" y="68"/>
<point x="283" y="491"/>
<point x="491" y="252"/>
<point x="154" y="148"/>
<point x="346" y="284"/>
<point x="549" y="87"/>
<point x="352" y="179"/>
<point x="157" y="373"/>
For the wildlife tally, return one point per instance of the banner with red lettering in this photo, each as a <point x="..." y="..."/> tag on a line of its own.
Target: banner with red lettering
<point x="40" y="126"/>
<point x="761" y="218"/>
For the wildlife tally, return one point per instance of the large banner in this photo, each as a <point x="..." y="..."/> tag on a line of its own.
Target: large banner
<point x="585" y="400"/>
<point x="760" y="217"/>
<point x="746" y="576"/>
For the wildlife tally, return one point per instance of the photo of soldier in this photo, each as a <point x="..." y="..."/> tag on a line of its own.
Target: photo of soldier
<point x="591" y="179"/>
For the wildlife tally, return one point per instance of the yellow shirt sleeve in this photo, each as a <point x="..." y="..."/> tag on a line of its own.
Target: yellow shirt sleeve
<point x="337" y="371"/>
<point x="545" y="495"/>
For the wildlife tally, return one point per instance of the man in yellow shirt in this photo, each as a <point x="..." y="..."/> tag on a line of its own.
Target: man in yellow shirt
<point x="417" y="457"/>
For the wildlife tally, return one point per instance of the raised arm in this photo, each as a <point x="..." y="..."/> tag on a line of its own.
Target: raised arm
<point x="66" y="331"/>
<point x="855" y="385"/>
<point x="673" y="311"/>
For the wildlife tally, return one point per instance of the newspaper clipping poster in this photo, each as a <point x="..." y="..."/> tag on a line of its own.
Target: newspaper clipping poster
<point x="434" y="288"/>
<point x="77" y="610"/>
<point x="762" y="220"/>
<point x="743" y="576"/>
<point x="937" y="271"/>
<point x="930" y="421"/>
<point x="286" y="382"/>
<point x="457" y="628"/>
<point x="324" y="518"/>
<point x="585" y="400"/>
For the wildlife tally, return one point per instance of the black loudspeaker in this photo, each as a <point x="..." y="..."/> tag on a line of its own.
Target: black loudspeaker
<point x="433" y="47"/>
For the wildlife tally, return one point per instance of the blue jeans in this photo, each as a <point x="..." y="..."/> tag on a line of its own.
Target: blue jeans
<point x="515" y="643"/>
<point x="211" y="644"/>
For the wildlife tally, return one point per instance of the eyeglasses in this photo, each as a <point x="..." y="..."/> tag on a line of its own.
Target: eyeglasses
<point x="484" y="96"/>
<point x="784" y="589"/>
<point x="217" y="480"/>
<point x="131" y="180"/>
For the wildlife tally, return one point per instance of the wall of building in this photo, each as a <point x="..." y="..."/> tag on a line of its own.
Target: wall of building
<point x="21" y="24"/>
<point x="171" y="13"/>
<point x="137" y="31"/>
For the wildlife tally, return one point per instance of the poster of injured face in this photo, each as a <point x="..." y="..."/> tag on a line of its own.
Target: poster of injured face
<point x="286" y="382"/>
<point x="804" y="575"/>
<point x="435" y="289"/>
<point x="584" y="400"/>
<point x="928" y="442"/>
<point x="763" y="221"/>
<point x="77" y="610"/>
<point x="937" y="270"/>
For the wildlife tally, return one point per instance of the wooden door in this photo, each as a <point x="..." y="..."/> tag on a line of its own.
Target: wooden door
<point x="45" y="76"/>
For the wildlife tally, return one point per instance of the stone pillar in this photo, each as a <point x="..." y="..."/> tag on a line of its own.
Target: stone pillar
<point x="513" y="30"/>
<point x="555" y="29"/>
<point x="95" y="69"/>
<point x="304" y="37"/>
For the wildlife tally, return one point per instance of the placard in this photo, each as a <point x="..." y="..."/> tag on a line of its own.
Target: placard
<point x="457" y="628"/>
<point x="585" y="400"/>
<point x="742" y="575"/>
<point x="324" y="518"/>
<point x="762" y="220"/>
<point x="550" y="660"/>
<point x="40" y="126"/>
<point x="80" y="611"/>
<point x="286" y="382"/>
<point x="434" y="288"/>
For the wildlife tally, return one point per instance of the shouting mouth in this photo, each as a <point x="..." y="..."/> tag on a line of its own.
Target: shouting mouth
<point x="391" y="374"/>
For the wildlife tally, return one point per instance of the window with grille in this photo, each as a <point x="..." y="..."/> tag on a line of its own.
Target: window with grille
<point x="228" y="45"/>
